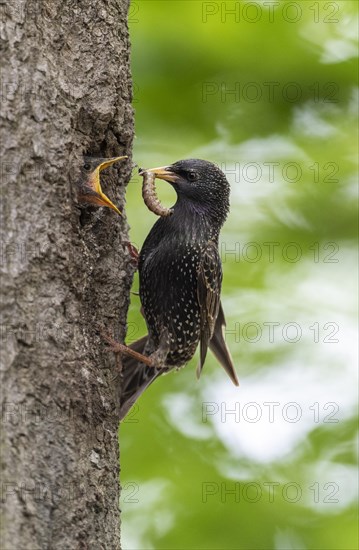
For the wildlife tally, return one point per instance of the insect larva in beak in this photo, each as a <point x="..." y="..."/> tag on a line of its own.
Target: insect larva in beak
<point x="150" y="197"/>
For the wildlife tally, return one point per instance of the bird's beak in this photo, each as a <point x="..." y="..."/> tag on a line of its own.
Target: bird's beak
<point x="94" y="182"/>
<point x="110" y="162"/>
<point x="163" y="173"/>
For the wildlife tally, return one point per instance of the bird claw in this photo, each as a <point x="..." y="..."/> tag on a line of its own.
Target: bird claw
<point x="116" y="347"/>
<point x="133" y="251"/>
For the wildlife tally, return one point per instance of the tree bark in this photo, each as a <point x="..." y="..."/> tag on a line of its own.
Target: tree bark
<point x="66" y="92"/>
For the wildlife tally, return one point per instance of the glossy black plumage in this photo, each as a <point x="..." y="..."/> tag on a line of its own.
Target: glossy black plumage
<point x="180" y="279"/>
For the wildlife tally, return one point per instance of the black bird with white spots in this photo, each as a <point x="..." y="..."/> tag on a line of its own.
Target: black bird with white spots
<point x="180" y="279"/>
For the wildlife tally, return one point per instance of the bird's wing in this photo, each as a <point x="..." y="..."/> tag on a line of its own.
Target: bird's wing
<point x="211" y="311"/>
<point x="209" y="280"/>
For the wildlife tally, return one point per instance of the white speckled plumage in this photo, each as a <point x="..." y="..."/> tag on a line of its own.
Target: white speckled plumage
<point x="181" y="275"/>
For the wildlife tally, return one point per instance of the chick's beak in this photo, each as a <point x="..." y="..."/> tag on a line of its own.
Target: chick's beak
<point x="94" y="182"/>
<point x="110" y="162"/>
<point x="163" y="173"/>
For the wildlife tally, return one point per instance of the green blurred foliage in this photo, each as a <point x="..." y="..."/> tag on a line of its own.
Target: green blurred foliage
<point x="267" y="90"/>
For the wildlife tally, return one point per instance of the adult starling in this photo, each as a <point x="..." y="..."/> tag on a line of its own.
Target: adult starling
<point x="180" y="280"/>
<point x="89" y="187"/>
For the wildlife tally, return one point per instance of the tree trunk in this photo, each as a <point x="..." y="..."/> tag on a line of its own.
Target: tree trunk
<point x="66" y="92"/>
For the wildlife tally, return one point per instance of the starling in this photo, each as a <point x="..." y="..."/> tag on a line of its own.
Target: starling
<point x="89" y="187"/>
<point x="180" y="280"/>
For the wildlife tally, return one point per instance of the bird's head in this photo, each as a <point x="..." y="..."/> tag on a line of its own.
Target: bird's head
<point x="89" y="185"/>
<point x="200" y="183"/>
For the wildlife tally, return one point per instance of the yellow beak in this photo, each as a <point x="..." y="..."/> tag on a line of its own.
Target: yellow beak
<point x="163" y="173"/>
<point x="94" y="182"/>
<point x="110" y="162"/>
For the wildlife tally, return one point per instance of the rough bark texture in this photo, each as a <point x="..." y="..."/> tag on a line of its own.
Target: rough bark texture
<point x="66" y="92"/>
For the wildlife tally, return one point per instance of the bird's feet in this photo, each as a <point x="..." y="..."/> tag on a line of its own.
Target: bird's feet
<point x="132" y="251"/>
<point x="156" y="360"/>
<point x="116" y="347"/>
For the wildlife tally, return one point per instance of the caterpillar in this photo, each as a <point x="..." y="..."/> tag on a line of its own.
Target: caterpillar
<point x="150" y="197"/>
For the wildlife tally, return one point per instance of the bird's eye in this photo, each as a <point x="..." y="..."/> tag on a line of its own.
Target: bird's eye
<point x="192" y="176"/>
<point x="87" y="166"/>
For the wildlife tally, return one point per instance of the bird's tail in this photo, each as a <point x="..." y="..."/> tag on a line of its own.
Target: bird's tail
<point x="219" y="347"/>
<point x="136" y="377"/>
